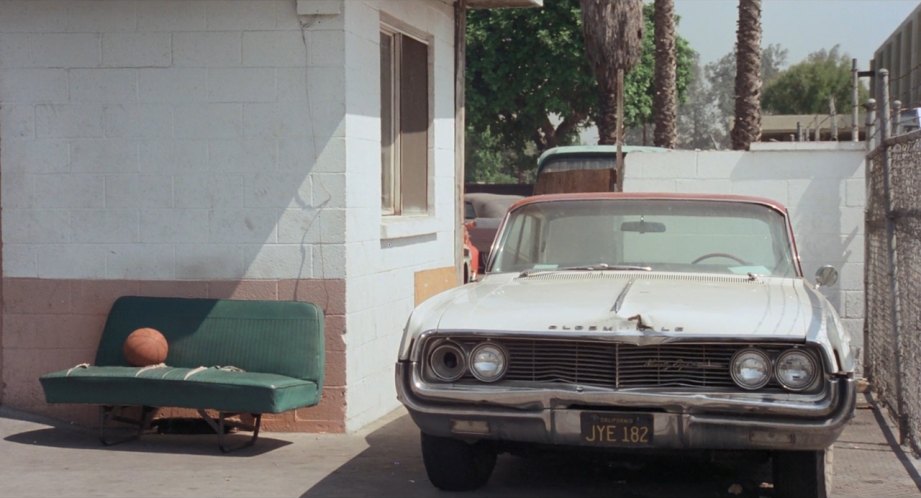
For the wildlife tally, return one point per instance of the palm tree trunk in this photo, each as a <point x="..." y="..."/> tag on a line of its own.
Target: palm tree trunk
<point x="747" y="126"/>
<point x="665" y="99"/>
<point x="607" y="115"/>
<point x="613" y="32"/>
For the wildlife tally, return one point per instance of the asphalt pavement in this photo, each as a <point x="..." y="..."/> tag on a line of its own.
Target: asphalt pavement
<point x="42" y="458"/>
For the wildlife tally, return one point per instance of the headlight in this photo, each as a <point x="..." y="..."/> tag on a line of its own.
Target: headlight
<point x="447" y="362"/>
<point x="488" y="362"/>
<point x="796" y="369"/>
<point x="751" y="369"/>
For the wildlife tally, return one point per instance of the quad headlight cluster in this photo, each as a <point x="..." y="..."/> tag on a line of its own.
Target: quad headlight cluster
<point x="794" y="369"/>
<point x="487" y="361"/>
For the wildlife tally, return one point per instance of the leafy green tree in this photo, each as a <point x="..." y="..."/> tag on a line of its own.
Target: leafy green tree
<point x="806" y="87"/>
<point x="530" y="86"/>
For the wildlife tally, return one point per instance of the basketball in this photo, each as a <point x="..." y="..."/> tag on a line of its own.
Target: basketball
<point x="145" y="346"/>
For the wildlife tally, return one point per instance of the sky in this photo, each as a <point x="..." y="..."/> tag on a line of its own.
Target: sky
<point x="800" y="26"/>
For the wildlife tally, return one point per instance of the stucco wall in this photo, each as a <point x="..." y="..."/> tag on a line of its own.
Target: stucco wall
<point x="822" y="186"/>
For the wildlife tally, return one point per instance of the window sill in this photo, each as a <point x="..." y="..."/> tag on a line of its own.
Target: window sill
<point x="396" y="227"/>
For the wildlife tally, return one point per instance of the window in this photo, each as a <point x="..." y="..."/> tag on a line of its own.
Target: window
<point x="405" y="123"/>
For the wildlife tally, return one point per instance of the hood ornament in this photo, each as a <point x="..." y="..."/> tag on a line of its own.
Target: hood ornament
<point x="640" y="325"/>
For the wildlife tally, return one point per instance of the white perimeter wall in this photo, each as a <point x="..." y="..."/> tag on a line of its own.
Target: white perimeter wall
<point x="822" y="186"/>
<point x="383" y="254"/>
<point x="170" y="140"/>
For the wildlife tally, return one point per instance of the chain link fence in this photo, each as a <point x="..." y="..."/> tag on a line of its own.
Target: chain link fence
<point x="893" y="280"/>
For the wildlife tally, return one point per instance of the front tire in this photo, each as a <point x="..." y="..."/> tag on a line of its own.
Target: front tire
<point x="803" y="474"/>
<point x="455" y="465"/>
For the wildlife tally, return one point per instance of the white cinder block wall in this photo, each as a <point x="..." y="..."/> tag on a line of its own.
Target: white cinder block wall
<point x="823" y="189"/>
<point x="167" y="140"/>
<point x="217" y="140"/>
<point x="384" y="253"/>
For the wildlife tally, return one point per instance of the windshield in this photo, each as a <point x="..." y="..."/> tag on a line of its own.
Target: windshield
<point x="662" y="235"/>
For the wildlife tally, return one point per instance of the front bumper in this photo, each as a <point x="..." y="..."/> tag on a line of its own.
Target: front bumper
<point x="679" y="421"/>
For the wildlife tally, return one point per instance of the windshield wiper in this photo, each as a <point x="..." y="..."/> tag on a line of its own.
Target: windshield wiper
<point x="597" y="267"/>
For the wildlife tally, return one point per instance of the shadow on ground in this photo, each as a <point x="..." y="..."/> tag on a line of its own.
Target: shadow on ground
<point x="184" y="444"/>
<point x="393" y="456"/>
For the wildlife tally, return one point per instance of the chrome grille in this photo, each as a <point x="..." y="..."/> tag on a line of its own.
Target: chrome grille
<point x="618" y="366"/>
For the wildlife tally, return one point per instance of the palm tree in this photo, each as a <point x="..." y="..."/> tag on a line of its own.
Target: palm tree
<point x="613" y="31"/>
<point x="747" y="126"/>
<point x="665" y="98"/>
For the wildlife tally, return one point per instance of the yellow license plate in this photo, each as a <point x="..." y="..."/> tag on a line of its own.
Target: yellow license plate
<point x="616" y="429"/>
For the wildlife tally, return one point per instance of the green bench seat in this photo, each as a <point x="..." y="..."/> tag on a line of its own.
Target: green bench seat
<point x="230" y="356"/>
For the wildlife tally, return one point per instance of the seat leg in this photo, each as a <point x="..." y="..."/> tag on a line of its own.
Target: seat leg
<point x="109" y="413"/>
<point x="221" y="423"/>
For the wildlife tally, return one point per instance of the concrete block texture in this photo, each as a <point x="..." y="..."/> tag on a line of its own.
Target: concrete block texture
<point x="170" y="15"/>
<point x="71" y="261"/>
<point x="33" y="85"/>
<point x="172" y="85"/>
<point x="138" y="191"/>
<point x="30" y="16"/>
<point x="35" y="156"/>
<point x="243" y="156"/>
<point x="174" y="226"/>
<point x="137" y="49"/>
<point x="103" y="156"/>
<point x="275" y="48"/>
<point x="68" y="121"/>
<point x="169" y="157"/>
<point x="237" y="15"/>
<point x="18" y="121"/>
<point x="241" y="84"/>
<point x="94" y="226"/>
<point x="35" y="226"/>
<point x="63" y="50"/>
<point x="208" y="120"/>
<point x="147" y="121"/>
<point x="207" y="49"/>
<point x="101" y="16"/>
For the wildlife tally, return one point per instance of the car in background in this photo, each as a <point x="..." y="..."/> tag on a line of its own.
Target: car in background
<point x="471" y="256"/>
<point x="483" y="212"/>
<point x="632" y="324"/>
<point x="582" y="168"/>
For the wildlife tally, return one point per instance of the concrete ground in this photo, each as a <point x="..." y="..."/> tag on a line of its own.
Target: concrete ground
<point x="43" y="459"/>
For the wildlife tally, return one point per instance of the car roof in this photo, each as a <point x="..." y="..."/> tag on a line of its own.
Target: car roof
<point x="590" y="150"/>
<point x="746" y="199"/>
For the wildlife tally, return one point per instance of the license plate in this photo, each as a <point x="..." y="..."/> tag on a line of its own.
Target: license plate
<point x="616" y="429"/>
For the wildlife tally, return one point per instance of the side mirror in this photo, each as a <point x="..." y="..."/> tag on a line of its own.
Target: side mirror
<point x="826" y="276"/>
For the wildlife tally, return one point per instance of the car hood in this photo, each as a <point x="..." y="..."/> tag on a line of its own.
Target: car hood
<point x="635" y="303"/>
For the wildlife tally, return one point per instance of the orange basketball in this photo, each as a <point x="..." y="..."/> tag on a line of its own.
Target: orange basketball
<point x="145" y="346"/>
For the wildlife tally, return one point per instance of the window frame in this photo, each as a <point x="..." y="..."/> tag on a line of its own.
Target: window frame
<point x="392" y="149"/>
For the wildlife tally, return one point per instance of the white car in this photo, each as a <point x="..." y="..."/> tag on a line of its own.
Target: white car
<point x="633" y="323"/>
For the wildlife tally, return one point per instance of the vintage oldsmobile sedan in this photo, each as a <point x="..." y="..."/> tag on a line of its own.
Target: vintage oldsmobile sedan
<point x="633" y="323"/>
